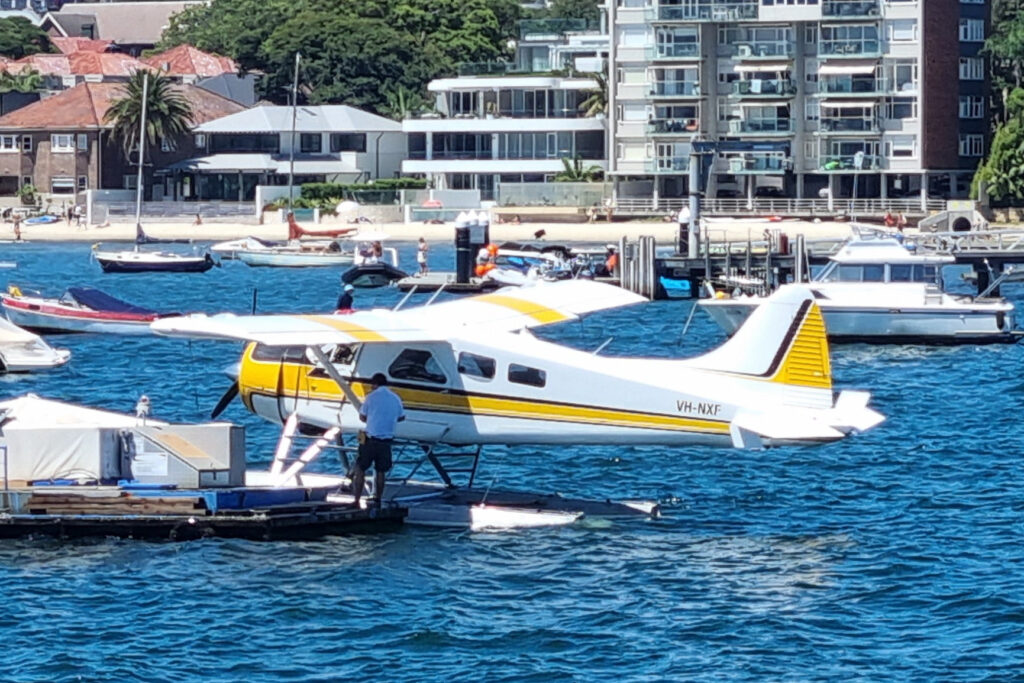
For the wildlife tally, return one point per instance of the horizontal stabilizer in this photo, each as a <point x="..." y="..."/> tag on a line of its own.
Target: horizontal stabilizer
<point x="851" y="412"/>
<point x="785" y="427"/>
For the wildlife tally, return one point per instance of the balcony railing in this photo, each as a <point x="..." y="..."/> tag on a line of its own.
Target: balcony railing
<point x="553" y="27"/>
<point x="673" y="126"/>
<point x="675" y="89"/>
<point x="849" y="163"/>
<point x="764" y="86"/>
<point x="761" y="126"/>
<point x="862" y="86"/>
<point x="754" y="163"/>
<point x="677" y="51"/>
<point x="669" y="165"/>
<point x="757" y="50"/>
<point x="853" y="9"/>
<point x="851" y="125"/>
<point x="708" y="11"/>
<point x="870" y="47"/>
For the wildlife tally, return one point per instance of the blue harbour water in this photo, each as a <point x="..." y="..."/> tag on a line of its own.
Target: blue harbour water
<point x="895" y="555"/>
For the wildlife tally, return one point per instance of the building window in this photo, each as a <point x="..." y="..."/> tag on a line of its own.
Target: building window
<point x="972" y="107"/>
<point x="9" y="143"/>
<point x="83" y="142"/>
<point x="129" y="181"/>
<point x="902" y="30"/>
<point x="972" y="69"/>
<point x="310" y="143"/>
<point x="26" y="143"/>
<point x="62" y="185"/>
<point x="972" y="145"/>
<point x="199" y="141"/>
<point x="903" y="146"/>
<point x="62" y="143"/>
<point x="83" y="183"/>
<point x="972" y="30"/>
<point x="348" y="142"/>
<point x="26" y="180"/>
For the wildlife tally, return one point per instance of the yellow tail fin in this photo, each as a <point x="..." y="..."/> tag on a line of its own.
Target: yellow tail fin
<point x="803" y="358"/>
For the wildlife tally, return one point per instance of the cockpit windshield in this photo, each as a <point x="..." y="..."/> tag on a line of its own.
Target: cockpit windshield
<point x="877" y="272"/>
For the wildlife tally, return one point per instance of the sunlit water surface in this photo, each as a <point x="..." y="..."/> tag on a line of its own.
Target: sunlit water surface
<point x="898" y="554"/>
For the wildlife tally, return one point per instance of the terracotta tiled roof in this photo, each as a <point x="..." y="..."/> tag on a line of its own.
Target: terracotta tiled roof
<point x="79" y="64"/>
<point x="83" y="108"/>
<point x="185" y="60"/>
<point x="71" y="45"/>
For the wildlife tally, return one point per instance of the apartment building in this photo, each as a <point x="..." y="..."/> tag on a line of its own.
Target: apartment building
<point x="514" y="122"/>
<point x="798" y="98"/>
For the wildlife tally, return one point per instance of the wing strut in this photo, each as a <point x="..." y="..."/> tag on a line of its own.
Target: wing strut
<point x="343" y="384"/>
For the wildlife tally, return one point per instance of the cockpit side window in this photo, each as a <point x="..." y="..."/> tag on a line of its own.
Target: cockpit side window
<point x="522" y="374"/>
<point x="291" y="354"/>
<point x="477" y="366"/>
<point x="417" y="365"/>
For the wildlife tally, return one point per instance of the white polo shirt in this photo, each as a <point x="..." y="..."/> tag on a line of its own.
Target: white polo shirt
<point x="382" y="409"/>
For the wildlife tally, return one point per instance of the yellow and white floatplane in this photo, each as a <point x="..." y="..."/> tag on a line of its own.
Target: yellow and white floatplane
<point x="470" y="373"/>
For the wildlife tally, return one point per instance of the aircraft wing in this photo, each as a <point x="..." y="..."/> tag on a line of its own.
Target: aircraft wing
<point x="515" y="308"/>
<point x="507" y="309"/>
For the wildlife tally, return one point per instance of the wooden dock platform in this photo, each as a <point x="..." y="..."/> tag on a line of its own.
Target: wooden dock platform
<point x="180" y="516"/>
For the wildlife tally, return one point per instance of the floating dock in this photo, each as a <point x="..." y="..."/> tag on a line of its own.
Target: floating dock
<point x="181" y="515"/>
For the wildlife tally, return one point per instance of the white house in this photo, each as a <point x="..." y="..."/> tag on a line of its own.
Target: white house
<point x="332" y="143"/>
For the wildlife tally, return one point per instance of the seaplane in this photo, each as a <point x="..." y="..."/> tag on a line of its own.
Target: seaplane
<point x="471" y="372"/>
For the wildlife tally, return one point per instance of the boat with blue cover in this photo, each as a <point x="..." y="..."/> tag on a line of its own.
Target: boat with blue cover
<point x="79" y="309"/>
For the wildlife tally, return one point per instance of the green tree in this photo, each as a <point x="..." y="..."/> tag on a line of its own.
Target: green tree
<point x="574" y="171"/>
<point x="27" y="80"/>
<point x="20" y="37"/>
<point x="1003" y="170"/>
<point x="575" y="9"/>
<point x="402" y="103"/>
<point x="597" y="99"/>
<point x="168" y="112"/>
<point x="356" y="56"/>
<point x="1005" y="51"/>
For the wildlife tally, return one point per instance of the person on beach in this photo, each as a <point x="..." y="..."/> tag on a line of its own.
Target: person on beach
<point x="17" y="227"/>
<point x="79" y="214"/>
<point x="421" y="255"/>
<point x="346" y="302"/>
<point x="69" y="213"/>
<point x="198" y="220"/>
<point x="382" y="410"/>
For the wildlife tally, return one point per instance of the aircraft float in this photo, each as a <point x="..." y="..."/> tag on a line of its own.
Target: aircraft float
<point x="470" y="372"/>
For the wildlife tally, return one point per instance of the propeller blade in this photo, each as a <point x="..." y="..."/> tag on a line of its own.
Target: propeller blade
<point x="224" y="401"/>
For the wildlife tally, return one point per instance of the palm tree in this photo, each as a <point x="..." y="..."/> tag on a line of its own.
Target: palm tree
<point x="574" y="172"/>
<point x="597" y="101"/>
<point x="168" y="112"/>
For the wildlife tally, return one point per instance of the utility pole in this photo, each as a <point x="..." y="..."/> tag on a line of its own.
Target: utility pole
<point x="291" y="155"/>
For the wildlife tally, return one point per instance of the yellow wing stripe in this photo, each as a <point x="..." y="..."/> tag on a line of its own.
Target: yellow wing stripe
<point x="357" y="332"/>
<point x="807" y="363"/>
<point x="542" y="314"/>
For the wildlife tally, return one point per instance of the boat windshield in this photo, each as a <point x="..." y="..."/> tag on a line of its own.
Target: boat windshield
<point x="880" y="272"/>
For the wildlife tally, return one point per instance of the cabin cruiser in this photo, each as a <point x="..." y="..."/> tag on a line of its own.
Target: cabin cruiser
<point x="879" y="291"/>
<point x="22" y="351"/>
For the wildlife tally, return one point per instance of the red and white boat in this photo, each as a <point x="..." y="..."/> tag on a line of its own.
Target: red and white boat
<point x="80" y="309"/>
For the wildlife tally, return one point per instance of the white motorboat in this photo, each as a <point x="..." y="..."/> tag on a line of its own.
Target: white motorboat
<point x="878" y="291"/>
<point x="296" y="255"/>
<point x="23" y="351"/>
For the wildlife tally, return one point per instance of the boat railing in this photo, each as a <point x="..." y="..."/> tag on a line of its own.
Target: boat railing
<point x="975" y="241"/>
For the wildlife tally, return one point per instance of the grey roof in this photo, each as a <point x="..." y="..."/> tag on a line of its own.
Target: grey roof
<point x="126" y="23"/>
<point x="330" y="118"/>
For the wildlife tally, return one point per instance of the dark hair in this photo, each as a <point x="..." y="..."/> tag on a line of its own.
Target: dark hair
<point x="379" y="380"/>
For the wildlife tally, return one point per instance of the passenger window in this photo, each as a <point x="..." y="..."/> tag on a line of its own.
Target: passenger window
<point x="926" y="274"/>
<point x="901" y="273"/>
<point x="476" y="366"/>
<point x="417" y="365"/>
<point x="874" y="273"/>
<point x="521" y="374"/>
<point x="850" y="273"/>
<point x="292" y="354"/>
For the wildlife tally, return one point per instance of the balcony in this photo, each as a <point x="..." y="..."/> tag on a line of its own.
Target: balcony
<point x="546" y="29"/>
<point x="761" y="126"/>
<point x="709" y="11"/>
<point x="849" y="9"/>
<point x="848" y="163"/>
<point x="762" y="50"/>
<point x="757" y="163"/>
<point x="668" y="165"/>
<point x="677" y="51"/>
<point x="867" y="47"/>
<point x="675" y="89"/>
<point x="869" y="86"/>
<point x="849" y="125"/>
<point x="764" y="87"/>
<point x="673" y="126"/>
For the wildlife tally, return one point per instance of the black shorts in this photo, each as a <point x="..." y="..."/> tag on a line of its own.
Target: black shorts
<point x="375" y="451"/>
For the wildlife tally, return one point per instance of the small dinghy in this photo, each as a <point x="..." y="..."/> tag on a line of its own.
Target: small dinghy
<point x="22" y="351"/>
<point x="45" y="219"/>
<point x="80" y="309"/>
